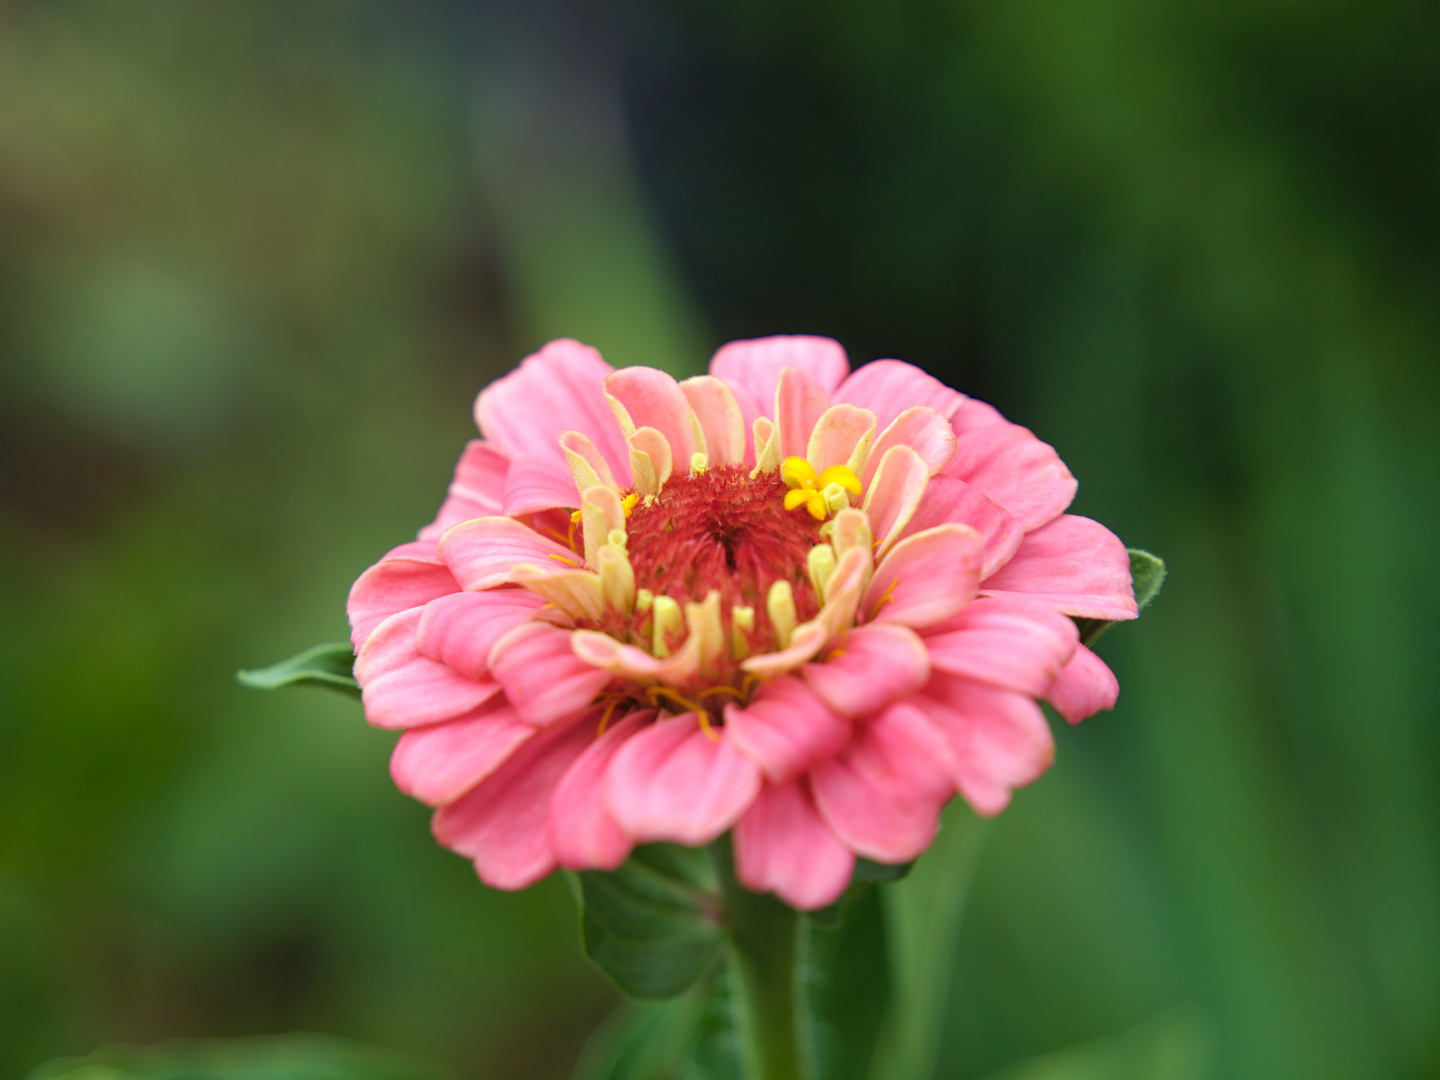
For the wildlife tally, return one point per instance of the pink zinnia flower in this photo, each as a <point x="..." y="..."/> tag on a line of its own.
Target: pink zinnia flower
<point x="807" y="604"/>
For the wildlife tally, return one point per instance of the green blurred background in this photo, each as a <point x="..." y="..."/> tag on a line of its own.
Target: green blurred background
<point x="257" y="256"/>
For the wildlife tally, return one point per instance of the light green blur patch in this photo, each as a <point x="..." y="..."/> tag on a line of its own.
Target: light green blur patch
<point x="1174" y="1046"/>
<point x="286" y="1057"/>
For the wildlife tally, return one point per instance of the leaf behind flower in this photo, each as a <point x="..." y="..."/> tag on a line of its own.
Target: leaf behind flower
<point x="330" y="665"/>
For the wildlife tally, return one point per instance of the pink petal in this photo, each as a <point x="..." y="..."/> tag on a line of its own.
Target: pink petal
<point x="477" y="489"/>
<point x="800" y="401"/>
<point x="1017" y="470"/>
<point x="970" y="413"/>
<point x="481" y="553"/>
<point x="782" y="845"/>
<point x="673" y="782"/>
<point x="875" y="664"/>
<point x="923" y="430"/>
<point x="503" y="824"/>
<point x="785" y="729"/>
<point x="895" y="494"/>
<point x="889" y="387"/>
<point x="395" y="584"/>
<point x="542" y="677"/>
<point x="926" y="578"/>
<point x="440" y="762"/>
<point x="459" y="630"/>
<point x="1075" y="565"/>
<point x="539" y="482"/>
<point x="582" y="832"/>
<point x="949" y="500"/>
<point x="654" y="399"/>
<point x="1085" y="686"/>
<point x="720" y="418"/>
<point x="755" y="365"/>
<point x="1007" y="642"/>
<point x="401" y="688"/>
<point x="998" y="738"/>
<point x="556" y="390"/>
<point x="836" y="434"/>
<point x="883" y="793"/>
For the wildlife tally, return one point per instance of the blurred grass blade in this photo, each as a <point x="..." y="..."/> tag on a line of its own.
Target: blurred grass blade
<point x="329" y="665"/>
<point x="1148" y="572"/>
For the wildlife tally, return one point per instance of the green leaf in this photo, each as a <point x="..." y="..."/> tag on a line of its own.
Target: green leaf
<point x="329" y="665"/>
<point x="653" y="925"/>
<point x="286" y="1057"/>
<point x="845" y="988"/>
<point x="1148" y="572"/>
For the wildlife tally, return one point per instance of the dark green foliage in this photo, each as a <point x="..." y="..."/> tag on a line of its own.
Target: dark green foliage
<point x="652" y="926"/>
<point x="320" y="665"/>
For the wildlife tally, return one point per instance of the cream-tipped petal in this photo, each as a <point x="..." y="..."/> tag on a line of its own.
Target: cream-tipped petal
<point x="587" y="465"/>
<point x="767" y="447"/>
<point x="703" y="622"/>
<point x="780" y="609"/>
<point x="838" y="437"/>
<point x="575" y="592"/>
<point x="650" y="460"/>
<point x="742" y="625"/>
<point x="819" y="565"/>
<point x="617" y="579"/>
<point x="893" y="497"/>
<point x="600" y="512"/>
<point x="719" y="417"/>
<point x="850" y="528"/>
<point x="668" y="622"/>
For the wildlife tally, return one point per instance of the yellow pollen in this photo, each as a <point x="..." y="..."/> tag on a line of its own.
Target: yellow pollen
<point x="575" y="517"/>
<point x="628" y="503"/>
<point x="809" y="488"/>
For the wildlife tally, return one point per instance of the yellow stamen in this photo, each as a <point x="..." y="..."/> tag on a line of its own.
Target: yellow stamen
<point x="629" y="502"/>
<point x="718" y="690"/>
<point x="562" y="558"/>
<point x="884" y="599"/>
<point x="845" y="477"/>
<point x="816" y="505"/>
<point x="575" y="517"/>
<point x="669" y="620"/>
<point x="797" y="497"/>
<point x="751" y="678"/>
<point x="798" y="473"/>
<point x="655" y="693"/>
<point x="615" y="702"/>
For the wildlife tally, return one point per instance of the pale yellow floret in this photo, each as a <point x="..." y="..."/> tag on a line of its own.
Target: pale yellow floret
<point x="698" y="463"/>
<point x="618" y="537"/>
<point x="643" y="599"/>
<point x="669" y="620"/>
<point x="780" y="607"/>
<point x="742" y="624"/>
<point x="836" y="498"/>
<point x="617" y="578"/>
<point x="819" y="565"/>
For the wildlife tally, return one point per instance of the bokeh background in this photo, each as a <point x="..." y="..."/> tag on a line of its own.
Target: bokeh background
<point x="257" y="256"/>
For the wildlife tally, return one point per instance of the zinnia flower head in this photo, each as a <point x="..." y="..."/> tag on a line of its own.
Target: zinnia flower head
<point x="801" y="602"/>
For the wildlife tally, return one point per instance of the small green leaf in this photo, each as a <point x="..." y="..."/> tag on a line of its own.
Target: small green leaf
<point x="328" y="665"/>
<point x="1148" y="573"/>
<point x="653" y="925"/>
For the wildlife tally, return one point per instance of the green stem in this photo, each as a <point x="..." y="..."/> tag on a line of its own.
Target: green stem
<point x="760" y="958"/>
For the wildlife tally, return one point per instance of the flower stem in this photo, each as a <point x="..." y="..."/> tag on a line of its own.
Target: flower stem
<point x="760" y="959"/>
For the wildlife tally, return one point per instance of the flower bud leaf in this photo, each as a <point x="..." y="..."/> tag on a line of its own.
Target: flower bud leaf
<point x="1148" y="574"/>
<point x="653" y="925"/>
<point x="328" y="665"/>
